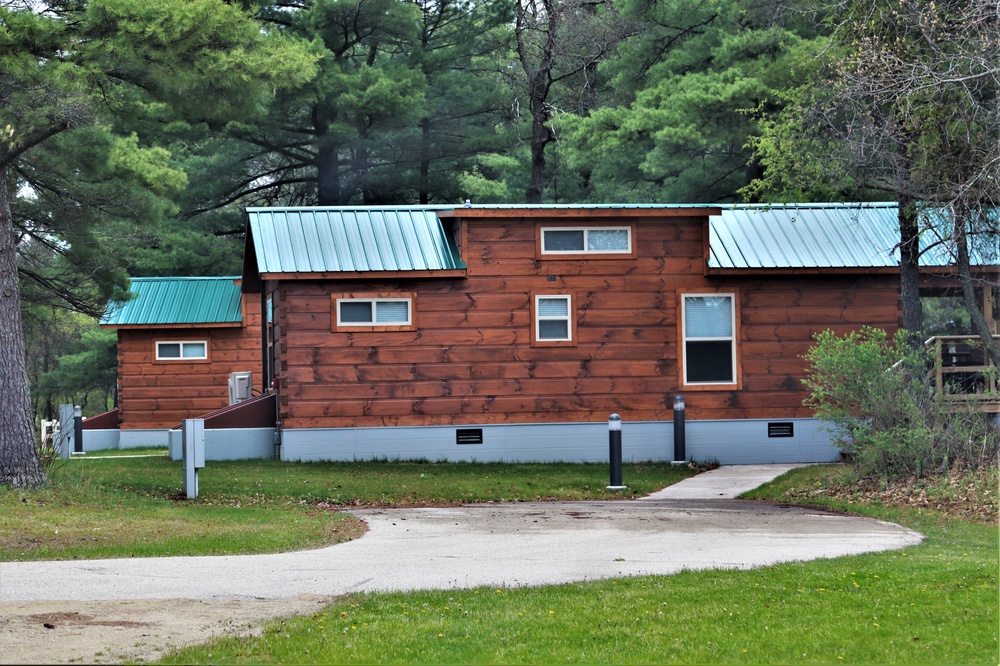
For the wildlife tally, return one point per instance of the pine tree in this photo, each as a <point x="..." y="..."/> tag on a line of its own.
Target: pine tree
<point x="80" y="82"/>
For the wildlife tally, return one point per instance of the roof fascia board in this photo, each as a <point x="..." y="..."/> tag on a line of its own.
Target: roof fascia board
<point x="940" y="271"/>
<point x="182" y="325"/>
<point x="368" y="275"/>
<point x="805" y="270"/>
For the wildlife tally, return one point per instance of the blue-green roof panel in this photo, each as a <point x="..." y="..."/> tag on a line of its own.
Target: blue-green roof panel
<point x="801" y="236"/>
<point x="853" y="235"/>
<point x="178" y="300"/>
<point x="336" y="240"/>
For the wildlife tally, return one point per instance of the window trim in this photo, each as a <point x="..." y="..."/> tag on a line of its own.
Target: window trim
<point x="737" y="364"/>
<point x="337" y="299"/>
<point x="585" y="228"/>
<point x="180" y="359"/>
<point x="570" y="318"/>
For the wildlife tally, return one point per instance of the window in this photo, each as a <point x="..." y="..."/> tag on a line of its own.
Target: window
<point x="374" y="312"/>
<point x="182" y="351"/>
<point x="552" y="318"/>
<point x="709" y="322"/>
<point x="586" y="240"/>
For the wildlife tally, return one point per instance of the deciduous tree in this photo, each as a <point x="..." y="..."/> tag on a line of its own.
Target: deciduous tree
<point x="908" y="106"/>
<point x="558" y="41"/>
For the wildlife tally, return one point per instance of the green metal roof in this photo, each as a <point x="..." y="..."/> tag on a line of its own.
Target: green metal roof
<point x="178" y="300"/>
<point x="743" y="236"/>
<point x="848" y="235"/>
<point x="333" y="240"/>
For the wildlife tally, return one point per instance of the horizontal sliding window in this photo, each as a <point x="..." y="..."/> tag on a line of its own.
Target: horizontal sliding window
<point x="586" y="240"/>
<point x="373" y="312"/>
<point x="182" y="350"/>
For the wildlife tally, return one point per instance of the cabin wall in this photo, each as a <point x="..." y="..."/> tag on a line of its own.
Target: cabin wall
<point x="157" y="395"/>
<point x="470" y="358"/>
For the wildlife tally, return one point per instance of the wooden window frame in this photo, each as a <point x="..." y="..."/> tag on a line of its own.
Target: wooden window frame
<point x="536" y="341"/>
<point x="542" y="253"/>
<point x="337" y="326"/>
<point x="737" y="363"/>
<point x="181" y="359"/>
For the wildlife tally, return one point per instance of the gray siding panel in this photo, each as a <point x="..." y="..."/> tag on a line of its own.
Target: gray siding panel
<point x="131" y="439"/>
<point x="101" y="440"/>
<point x="229" y="444"/>
<point x="747" y="442"/>
<point x="728" y="442"/>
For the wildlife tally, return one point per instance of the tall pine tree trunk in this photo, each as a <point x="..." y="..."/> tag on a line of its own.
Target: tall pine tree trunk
<point x="909" y="271"/>
<point x="20" y="466"/>
<point x="541" y="136"/>
<point x="328" y="177"/>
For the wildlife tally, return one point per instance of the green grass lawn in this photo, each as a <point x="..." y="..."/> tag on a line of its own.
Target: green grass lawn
<point x="117" y="506"/>
<point x="936" y="603"/>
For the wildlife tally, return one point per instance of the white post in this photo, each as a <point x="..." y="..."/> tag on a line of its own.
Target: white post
<point x="64" y="435"/>
<point x="193" y="431"/>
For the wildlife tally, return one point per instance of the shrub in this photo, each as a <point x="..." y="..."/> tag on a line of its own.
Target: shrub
<point x="876" y="393"/>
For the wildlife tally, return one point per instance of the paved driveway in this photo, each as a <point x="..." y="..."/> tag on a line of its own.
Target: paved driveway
<point x="692" y="525"/>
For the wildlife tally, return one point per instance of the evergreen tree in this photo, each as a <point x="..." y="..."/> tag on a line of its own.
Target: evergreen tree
<point x="405" y="98"/>
<point x="80" y="82"/>
<point x="690" y="89"/>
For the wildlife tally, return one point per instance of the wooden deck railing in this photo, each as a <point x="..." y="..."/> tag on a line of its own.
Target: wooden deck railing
<point x="964" y="371"/>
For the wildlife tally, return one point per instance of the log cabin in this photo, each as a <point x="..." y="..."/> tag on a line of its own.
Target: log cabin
<point x="514" y="332"/>
<point x="179" y="341"/>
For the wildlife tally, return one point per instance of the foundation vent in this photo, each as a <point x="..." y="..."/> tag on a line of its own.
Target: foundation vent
<point x="781" y="429"/>
<point x="469" y="436"/>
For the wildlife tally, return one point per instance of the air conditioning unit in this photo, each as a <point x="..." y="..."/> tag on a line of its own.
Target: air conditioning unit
<point x="240" y="386"/>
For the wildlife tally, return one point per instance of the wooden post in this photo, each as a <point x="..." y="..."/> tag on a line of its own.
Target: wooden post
<point x="989" y="314"/>
<point x="939" y="372"/>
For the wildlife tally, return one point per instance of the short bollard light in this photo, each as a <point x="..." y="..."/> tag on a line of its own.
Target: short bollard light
<point x="77" y="429"/>
<point x="615" y="451"/>
<point x="680" y="454"/>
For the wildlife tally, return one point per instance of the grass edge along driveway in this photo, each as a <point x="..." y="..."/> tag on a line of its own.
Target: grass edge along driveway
<point x="932" y="603"/>
<point x="107" y="507"/>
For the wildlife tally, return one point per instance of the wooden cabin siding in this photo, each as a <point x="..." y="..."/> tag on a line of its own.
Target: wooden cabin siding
<point x="160" y="394"/>
<point x="470" y="358"/>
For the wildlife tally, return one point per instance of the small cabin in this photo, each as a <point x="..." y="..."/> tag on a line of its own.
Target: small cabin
<point x="187" y="346"/>
<point x="514" y="332"/>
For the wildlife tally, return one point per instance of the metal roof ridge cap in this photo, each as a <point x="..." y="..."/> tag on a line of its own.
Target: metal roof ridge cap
<point x="359" y="208"/>
<point x="150" y="278"/>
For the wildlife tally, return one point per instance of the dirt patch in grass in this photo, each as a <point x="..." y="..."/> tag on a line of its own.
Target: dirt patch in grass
<point x="959" y="493"/>
<point x="113" y="632"/>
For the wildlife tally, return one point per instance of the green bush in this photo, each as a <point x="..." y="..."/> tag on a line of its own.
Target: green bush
<point x="876" y="393"/>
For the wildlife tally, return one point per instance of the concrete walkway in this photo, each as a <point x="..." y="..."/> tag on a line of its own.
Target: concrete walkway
<point x="727" y="482"/>
<point x="692" y="525"/>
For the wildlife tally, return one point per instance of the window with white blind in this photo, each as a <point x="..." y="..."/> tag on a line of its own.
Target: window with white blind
<point x="709" y="326"/>
<point x="586" y="240"/>
<point x="553" y="318"/>
<point x="374" y="312"/>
